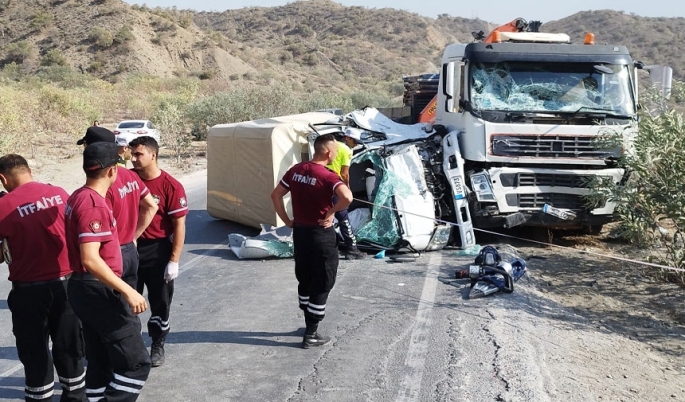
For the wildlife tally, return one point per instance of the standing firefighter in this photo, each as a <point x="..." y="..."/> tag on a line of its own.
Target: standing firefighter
<point x="118" y="363"/>
<point x="34" y="247"/>
<point x="132" y="205"/>
<point x="312" y="186"/>
<point x="161" y="244"/>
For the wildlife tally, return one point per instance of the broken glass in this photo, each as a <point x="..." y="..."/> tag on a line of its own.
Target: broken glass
<point x="551" y="87"/>
<point x="382" y="229"/>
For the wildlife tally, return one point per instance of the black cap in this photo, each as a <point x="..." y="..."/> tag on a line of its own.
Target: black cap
<point x="100" y="155"/>
<point x="96" y="134"/>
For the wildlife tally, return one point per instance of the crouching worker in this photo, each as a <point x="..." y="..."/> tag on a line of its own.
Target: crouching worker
<point x="341" y="166"/>
<point x="118" y="362"/>
<point x="312" y="187"/>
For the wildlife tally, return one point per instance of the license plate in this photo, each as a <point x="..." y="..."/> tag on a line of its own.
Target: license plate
<point x="564" y="214"/>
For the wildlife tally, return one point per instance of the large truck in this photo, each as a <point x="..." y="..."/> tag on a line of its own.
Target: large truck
<point x="523" y="113"/>
<point x="514" y="141"/>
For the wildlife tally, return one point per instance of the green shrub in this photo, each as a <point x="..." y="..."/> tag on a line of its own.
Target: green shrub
<point x="53" y="58"/>
<point x="650" y="206"/>
<point x="376" y="99"/>
<point x="63" y="76"/>
<point x="185" y="20"/>
<point x="101" y="37"/>
<point x="96" y="66"/>
<point x="123" y="35"/>
<point x="41" y="20"/>
<point x="12" y="71"/>
<point x="311" y="59"/>
<point x="18" y="52"/>
<point x="170" y="120"/>
<point x="241" y="104"/>
<point x="204" y="74"/>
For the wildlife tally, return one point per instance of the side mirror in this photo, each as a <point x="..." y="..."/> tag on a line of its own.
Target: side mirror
<point x="661" y="78"/>
<point x="448" y="85"/>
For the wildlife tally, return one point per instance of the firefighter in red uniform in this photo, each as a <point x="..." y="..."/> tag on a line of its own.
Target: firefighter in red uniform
<point x="132" y="206"/>
<point x="161" y="244"/>
<point x="312" y="186"/>
<point x="118" y="362"/>
<point x="32" y="229"/>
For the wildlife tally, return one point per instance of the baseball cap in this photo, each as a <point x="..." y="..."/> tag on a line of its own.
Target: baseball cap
<point x="100" y="155"/>
<point x="354" y="133"/>
<point x="123" y="139"/>
<point x="96" y="134"/>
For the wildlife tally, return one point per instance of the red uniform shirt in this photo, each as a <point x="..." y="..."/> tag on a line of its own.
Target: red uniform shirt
<point x="32" y="225"/>
<point x="89" y="219"/>
<point x="124" y="198"/>
<point x="312" y="187"/>
<point x="170" y="197"/>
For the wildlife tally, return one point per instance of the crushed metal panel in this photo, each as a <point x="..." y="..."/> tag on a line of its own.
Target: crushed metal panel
<point x="418" y="223"/>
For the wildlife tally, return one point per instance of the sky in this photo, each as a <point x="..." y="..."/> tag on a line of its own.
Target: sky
<point x="497" y="11"/>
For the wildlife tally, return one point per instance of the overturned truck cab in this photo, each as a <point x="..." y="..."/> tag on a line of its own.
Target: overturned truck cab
<point x="407" y="183"/>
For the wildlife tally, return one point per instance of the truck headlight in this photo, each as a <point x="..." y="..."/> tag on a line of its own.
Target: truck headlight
<point x="480" y="184"/>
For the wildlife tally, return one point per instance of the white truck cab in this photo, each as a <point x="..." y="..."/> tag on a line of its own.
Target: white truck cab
<point x="523" y="117"/>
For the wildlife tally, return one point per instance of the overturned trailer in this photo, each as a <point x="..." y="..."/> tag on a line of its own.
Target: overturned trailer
<point x="408" y="193"/>
<point x="246" y="160"/>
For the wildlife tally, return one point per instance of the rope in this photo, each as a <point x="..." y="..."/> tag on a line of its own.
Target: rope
<point x="649" y="264"/>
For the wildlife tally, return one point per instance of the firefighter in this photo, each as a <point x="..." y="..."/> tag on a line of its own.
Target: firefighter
<point x="118" y="362"/>
<point x="312" y="186"/>
<point x="161" y="244"/>
<point x="132" y="205"/>
<point x="31" y="220"/>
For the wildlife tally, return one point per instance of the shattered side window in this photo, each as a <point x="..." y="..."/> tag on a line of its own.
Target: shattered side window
<point x="382" y="229"/>
<point x="545" y="87"/>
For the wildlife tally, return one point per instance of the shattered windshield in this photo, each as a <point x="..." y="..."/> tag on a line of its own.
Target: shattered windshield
<point x="551" y="87"/>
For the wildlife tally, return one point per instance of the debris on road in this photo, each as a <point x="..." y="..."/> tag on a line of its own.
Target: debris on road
<point x="271" y="242"/>
<point x="493" y="271"/>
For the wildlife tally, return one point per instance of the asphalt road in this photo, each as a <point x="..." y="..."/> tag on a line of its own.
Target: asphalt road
<point x="401" y="332"/>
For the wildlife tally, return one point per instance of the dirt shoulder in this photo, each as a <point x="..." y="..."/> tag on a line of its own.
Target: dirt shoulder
<point x="61" y="165"/>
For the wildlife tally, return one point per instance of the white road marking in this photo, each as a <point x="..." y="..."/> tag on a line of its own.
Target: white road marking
<point x="410" y="387"/>
<point x="11" y="371"/>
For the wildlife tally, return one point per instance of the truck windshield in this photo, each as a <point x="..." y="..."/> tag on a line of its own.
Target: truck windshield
<point x="551" y="87"/>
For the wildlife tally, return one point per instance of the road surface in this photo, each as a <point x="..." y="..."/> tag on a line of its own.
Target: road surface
<point x="402" y="332"/>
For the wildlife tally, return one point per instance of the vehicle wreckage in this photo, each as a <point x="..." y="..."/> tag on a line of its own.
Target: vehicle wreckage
<point x="402" y="200"/>
<point x="514" y="138"/>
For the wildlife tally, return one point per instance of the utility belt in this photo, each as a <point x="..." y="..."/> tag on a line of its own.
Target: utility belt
<point x="83" y="276"/>
<point x="18" y="284"/>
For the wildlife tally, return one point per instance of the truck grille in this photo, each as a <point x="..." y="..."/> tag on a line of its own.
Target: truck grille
<point x="544" y="179"/>
<point x="534" y="201"/>
<point x="550" y="146"/>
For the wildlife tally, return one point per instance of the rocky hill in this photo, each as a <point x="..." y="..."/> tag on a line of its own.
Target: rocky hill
<point x="310" y="44"/>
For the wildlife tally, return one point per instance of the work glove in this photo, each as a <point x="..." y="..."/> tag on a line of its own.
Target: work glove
<point x="171" y="271"/>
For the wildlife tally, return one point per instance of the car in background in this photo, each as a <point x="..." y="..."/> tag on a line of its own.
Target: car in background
<point x="139" y="128"/>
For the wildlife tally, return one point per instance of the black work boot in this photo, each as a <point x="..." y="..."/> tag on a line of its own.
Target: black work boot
<point x="312" y="338"/>
<point x="353" y="253"/>
<point x="157" y="353"/>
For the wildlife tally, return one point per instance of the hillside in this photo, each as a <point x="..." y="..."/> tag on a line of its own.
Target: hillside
<point x="308" y="44"/>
